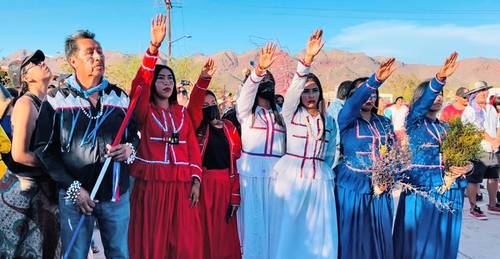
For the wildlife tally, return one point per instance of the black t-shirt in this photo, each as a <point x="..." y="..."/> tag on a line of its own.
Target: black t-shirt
<point x="217" y="151"/>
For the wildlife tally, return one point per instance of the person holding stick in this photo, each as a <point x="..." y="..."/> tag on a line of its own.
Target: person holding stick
<point x="76" y="127"/>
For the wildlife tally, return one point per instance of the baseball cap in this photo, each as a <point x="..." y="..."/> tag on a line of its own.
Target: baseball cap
<point x="462" y="92"/>
<point x="35" y="57"/>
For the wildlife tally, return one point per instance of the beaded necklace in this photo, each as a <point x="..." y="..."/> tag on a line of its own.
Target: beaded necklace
<point x="376" y="134"/>
<point x="310" y="131"/>
<point x="89" y="114"/>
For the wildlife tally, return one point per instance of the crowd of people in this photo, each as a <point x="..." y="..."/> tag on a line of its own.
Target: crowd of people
<point x="261" y="176"/>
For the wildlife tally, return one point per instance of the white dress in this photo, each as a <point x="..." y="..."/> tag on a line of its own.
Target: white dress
<point x="303" y="217"/>
<point x="263" y="143"/>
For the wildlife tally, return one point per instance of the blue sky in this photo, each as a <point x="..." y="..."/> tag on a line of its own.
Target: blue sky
<point x="413" y="31"/>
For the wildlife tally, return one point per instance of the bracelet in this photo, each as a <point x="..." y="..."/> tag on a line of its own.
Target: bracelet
<point x="155" y="45"/>
<point x="132" y="156"/>
<point x="261" y="69"/>
<point x="73" y="192"/>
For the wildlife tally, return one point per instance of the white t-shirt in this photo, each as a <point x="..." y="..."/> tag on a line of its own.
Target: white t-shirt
<point x="398" y="117"/>
<point x="490" y="124"/>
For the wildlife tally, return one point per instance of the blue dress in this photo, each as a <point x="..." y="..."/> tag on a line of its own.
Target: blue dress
<point x="365" y="221"/>
<point x="422" y="230"/>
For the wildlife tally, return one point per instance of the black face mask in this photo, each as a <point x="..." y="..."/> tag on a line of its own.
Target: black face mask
<point x="266" y="90"/>
<point x="211" y="113"/>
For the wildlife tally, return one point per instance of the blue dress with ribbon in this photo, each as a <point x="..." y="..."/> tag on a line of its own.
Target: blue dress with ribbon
<point x="365" y="220"/>
<point x="422" y="230"/>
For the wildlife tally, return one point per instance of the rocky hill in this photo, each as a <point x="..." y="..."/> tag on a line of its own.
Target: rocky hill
<point x="332" y="67"/>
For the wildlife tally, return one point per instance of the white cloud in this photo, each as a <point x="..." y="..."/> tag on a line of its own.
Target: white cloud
<point x="414" y="43"/>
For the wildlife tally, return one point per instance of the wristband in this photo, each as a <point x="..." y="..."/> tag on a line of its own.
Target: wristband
<point x="155" y="45"/>
<point x="73" y="192"/>
<point x="132" y="156"/>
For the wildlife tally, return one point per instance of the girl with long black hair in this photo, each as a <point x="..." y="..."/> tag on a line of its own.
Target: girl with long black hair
<point x="220" y="146"/>
<point x="304" y="216"/>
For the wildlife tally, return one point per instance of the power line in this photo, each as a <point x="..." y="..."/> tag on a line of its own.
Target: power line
<point x="367" y="14"/>
<point x="378" y="11"/>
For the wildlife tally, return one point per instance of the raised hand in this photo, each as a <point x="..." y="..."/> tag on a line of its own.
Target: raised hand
<point x="267" y="57"/>
<point x="449" y="67"/>
<point x="208" y="69"/>
<point x="385" y="69"/>
<point x="314" y="46"/>
<point x="158" y="31"/>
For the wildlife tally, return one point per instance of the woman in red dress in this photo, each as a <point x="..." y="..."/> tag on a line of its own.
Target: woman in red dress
<point x="220" y="146"/>
<point x="164" y="218"/>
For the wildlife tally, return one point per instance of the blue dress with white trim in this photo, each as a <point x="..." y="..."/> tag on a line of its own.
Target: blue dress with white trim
<point x="421" y="229"/>
<point x="365" y="221"/>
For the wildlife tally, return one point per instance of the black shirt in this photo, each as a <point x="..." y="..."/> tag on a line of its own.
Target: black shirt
<point x="231" y="116"/>
<point x="71" y="146"/>
<point x="217" y="154"/>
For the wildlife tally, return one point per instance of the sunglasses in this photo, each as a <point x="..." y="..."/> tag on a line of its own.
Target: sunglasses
<point x="33" y="63"/>
<point x="183" y="92"/>
<point x="36" y="61"/>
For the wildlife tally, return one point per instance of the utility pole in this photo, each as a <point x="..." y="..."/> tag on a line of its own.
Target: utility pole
<point x="169" y="21"/>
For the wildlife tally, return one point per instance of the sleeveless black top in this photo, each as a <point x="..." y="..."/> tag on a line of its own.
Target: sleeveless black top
<point x="15" y="167"/>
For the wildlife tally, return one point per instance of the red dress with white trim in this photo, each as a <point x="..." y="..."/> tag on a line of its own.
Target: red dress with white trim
<point x="162" y="223"/>
<point x="221" y="185"/>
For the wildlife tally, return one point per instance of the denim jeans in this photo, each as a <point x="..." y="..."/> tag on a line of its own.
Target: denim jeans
<point x="113" y="219"/>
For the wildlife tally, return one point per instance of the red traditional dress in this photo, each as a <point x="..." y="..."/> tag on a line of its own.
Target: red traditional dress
<point x="162" y="223"/>
<point x="221" y="184"/>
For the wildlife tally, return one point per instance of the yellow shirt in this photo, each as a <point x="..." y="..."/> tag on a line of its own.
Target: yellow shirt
<point x="4" y="149"/>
